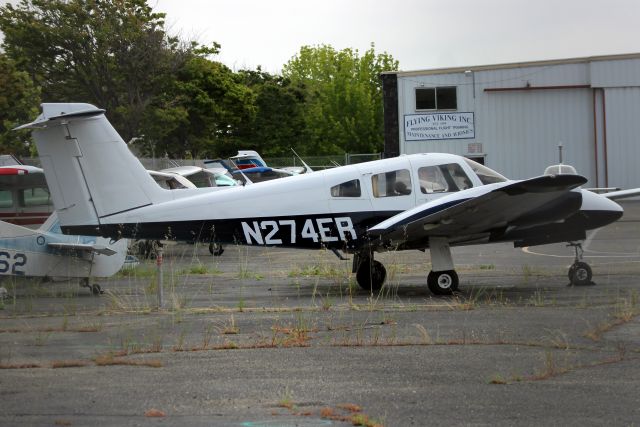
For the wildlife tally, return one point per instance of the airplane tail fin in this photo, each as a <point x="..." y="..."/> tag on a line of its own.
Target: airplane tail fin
<point x="89" y="169"/>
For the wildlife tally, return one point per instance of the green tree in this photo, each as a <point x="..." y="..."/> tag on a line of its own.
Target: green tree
<point x="19" y="101"/>
<point x="343" y="110"/>
<point x="201" y="112"/>
<point x="279" y="123"/>
<point x="112" y="53"/>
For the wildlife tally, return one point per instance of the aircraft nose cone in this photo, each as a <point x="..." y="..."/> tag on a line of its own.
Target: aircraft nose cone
<point x="599" y="211"/>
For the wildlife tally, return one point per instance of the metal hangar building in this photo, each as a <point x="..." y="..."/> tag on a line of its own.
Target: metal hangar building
<point x="513" y="117"/>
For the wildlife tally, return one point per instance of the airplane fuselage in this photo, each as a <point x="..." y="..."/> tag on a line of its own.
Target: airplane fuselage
<point x="335" y="208"/>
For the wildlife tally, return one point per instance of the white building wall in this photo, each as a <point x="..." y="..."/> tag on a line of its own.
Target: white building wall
<point x="522" y="112"/>
<point x="618" y="73"/>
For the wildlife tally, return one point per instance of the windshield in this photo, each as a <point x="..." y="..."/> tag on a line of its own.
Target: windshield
<point x="225" y="181"/>
<point x="486" y="175"/>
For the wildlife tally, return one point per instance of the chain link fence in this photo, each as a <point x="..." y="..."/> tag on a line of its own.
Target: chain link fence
<point x="315" y="162"/>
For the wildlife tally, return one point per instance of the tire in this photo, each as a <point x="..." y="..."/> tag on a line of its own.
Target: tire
<point x="443" y="282"/>
<point x="216" y="249"/>
<point x="581" y="274"/>
<point x="371" y="275"/>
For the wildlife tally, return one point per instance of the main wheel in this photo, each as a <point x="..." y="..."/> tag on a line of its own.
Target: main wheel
<point x="371" y="275"/>
<point x="443" y="282"/>
<point x="96" y="289"/>
<point x="215" y="249"/>
<point x="580" y="274"/>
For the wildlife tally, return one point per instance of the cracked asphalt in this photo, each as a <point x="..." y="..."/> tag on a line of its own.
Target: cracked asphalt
<point x="276" y="337"/>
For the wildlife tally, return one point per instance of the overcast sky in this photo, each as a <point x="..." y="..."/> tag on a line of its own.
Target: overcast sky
<point x="421" y="34"/>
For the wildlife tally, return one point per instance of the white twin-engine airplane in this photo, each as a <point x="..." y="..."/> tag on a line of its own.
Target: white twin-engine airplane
<point x="420" y="201"/>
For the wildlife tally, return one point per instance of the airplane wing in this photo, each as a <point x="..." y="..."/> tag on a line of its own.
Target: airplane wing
<point x="99" y="249"/>
<point x="482" y="209"/>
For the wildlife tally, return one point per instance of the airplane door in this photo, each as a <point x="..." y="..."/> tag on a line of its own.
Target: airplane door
<point x="391" y="187"/>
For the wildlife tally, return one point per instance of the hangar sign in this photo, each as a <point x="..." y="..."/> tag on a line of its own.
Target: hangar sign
<point x="434" y="126"/>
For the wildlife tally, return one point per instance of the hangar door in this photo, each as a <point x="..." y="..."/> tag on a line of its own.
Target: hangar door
<point x="521" y="130"/>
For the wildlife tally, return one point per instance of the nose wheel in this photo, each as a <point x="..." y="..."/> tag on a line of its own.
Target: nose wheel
<point x="579" y="273"/>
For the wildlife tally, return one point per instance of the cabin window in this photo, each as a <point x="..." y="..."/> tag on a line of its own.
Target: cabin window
<point x="436" y="98"/>
<point x="37" y="196"/>
<point x="347" y="189"/>
<point x="443" y="179"/>
<point x="6" y="201"/>
<point x="391" y="184"/>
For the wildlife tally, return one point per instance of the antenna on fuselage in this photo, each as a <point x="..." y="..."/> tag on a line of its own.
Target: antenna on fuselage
<point x="306" y="166"/>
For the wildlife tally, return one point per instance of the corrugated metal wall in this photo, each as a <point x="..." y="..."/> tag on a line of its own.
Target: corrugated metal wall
<point x="523" y="112"/>
<point x="521" y="131"/>
<point x="623" y="136"/>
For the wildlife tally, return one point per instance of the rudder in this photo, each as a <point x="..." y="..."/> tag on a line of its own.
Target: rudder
<point x="88" y="167"/>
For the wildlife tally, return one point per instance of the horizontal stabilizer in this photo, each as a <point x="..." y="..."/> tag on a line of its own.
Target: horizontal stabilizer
<point x="622" y="194"/>
<point x="99" y="249"/>
<point x="64" y="111"/>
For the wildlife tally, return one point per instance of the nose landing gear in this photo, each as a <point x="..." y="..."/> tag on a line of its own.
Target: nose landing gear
<point x="579" y="273"/>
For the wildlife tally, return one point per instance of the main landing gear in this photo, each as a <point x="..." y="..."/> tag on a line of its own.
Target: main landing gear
<point x="442" y="280"/>
<point x="580" y="273"/>
<point x="215" y="249"/>
<point x="95" y="288"/>
<point x="370" y="274"/>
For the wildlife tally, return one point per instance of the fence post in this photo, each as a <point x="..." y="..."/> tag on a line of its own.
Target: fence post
<point x="159" y="253"/>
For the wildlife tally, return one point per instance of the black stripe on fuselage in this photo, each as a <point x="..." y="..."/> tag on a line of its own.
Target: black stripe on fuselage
<point x="345" y="230"/>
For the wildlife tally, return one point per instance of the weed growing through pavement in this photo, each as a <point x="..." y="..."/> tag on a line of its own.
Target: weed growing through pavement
<point x="195" y="269"/>
<point x="286" y="401"/>
<point x="111" y="360"/>
<point x="425" y="338"/>
<point x="537" y="299"/>
<point x="624" y="310"/>
<point x="230" y="328"/>
<point x="42" y="338"/>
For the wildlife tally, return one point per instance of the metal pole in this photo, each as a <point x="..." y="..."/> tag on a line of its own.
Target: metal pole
<point x="160" y="278"/>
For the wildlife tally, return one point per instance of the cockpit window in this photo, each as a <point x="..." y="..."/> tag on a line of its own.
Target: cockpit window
<point x="443" y="179"/>
<point x="347" y="189"/>
<point x="391" y="184"/>
<point x="486" y="175"/>
<point x="432" y="180"/>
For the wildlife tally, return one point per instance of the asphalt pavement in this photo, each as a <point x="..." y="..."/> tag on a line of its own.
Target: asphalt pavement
<point x="281" y="337"/>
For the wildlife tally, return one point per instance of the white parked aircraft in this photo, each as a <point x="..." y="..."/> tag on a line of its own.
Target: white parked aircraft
<point x="46" y="252"/>
<point x="420" y="201"/>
